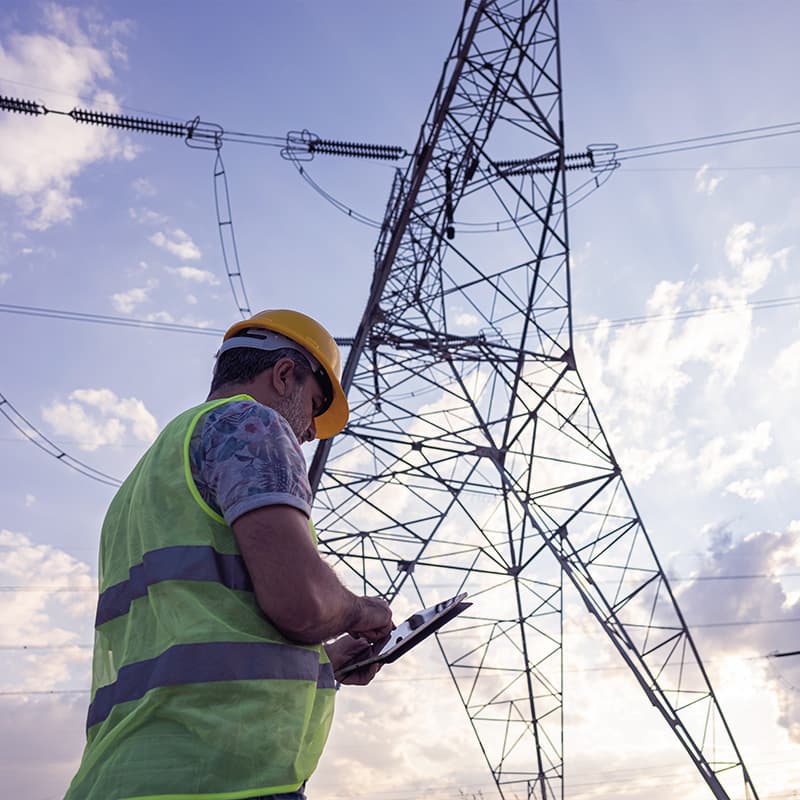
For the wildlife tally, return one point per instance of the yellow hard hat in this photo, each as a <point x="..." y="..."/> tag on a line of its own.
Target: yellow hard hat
<point x="313" y="338"/>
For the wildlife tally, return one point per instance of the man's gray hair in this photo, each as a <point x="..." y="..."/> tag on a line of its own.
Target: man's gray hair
<point x="243" y="365"/>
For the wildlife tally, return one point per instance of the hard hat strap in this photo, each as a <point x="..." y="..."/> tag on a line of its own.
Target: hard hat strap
<point x="262" y="339"/>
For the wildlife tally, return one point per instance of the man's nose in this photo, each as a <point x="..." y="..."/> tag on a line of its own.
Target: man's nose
<point x="311" y="432"/>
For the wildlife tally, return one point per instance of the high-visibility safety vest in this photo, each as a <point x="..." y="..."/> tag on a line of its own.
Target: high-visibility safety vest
<point x="195" y="694"/>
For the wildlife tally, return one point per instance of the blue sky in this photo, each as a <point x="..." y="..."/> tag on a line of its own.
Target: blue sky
<point x="701" y="411"/>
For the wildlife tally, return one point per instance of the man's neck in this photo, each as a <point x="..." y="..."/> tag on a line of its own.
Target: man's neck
<point x="231" y="390"/>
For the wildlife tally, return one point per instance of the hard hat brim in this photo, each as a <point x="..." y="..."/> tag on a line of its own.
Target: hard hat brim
<point x="335" y="417"/>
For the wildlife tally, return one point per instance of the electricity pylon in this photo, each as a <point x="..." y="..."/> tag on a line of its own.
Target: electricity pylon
<point x="474" y="458"/>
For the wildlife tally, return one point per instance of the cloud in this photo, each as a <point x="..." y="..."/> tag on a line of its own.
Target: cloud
<point x="160" y="316"/>
<point x="739" y="242"/>
<point x="704" y="183"/>
<point x="54" y="626"/>
<point x="756" y="488"/>
<point x="144" y="187"/>
<point x="5" y="277"/>
<point x="724" y="455"/>
<point x="40" y="158"/>
<point x="146" y="216"/>
<point x="179" y="244"/>
<point x="53" y="725"/>
<point x="647" y="379"/>
<point x="785" y="371"/>
<point x="51" y="608"/>
<point x="195" y="275"/>
<point x="98" y="417"/>
<point x="463" y="319"/>
<point x="750" y="609"/>
<point x="126" y="302"/>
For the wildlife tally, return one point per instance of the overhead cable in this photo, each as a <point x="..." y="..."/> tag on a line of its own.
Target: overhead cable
<point x="209" y="135"/>
<point x="346" y="341"/>
<point x="689" y="313"/>
<point x="32" y="434"/>
<point x="227" y="239"/>
<point x="129" y="322"/>
<point x="711" y="140"/>
<point x="305" y="145"/>
<point x="106" y="319"/>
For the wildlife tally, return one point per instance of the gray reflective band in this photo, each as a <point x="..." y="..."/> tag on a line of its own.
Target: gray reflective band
<point x="175" y="563"/>
<point x="208" y="662"/>
<point x="262" y="339"/>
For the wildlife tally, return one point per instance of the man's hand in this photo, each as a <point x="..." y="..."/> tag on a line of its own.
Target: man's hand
<point x="372" y="620"/>
<point x="346" y="650"/>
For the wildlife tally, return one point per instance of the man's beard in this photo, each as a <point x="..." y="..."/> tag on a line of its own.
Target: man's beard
<point x="291" y="409"/>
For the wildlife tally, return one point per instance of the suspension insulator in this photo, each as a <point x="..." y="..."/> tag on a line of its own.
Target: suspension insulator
<point x="544" y="164"/>
<point x="129" y="123"/>
<point x="20" y="106"/>
<point x="357" y="150"/>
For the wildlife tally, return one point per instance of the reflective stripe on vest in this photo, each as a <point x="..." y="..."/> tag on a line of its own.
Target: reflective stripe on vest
<point x="208" y="662"/>
<point x="177" y="563"/>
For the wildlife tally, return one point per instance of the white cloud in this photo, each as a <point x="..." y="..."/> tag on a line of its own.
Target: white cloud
<point x="756" y="488"/>
<point x="53" y="609"/>
<point x="30" y="499"/>
<point x="144" y="187"/>
<point x="126" y="302"/>
<point x="179" y="244"/>
<point x="739" y="242"/>
<point x="785" y="371"/>
<point x="646" y="378"/>
<point x="160" y="316"/>
<point x="42" y="617"/>
<point x="5" y="277"/>
<point x="98" y="417"/>
<point x="49" y="206"/>
<point x="743" y="604"/>
<point x="146" y="216"/>
<point x="579" y="255"/>
<point x="724" y="455"/>
<point x="40" y="158"/>
<point x="704" y="183"/>
<point x="195" y="275"/>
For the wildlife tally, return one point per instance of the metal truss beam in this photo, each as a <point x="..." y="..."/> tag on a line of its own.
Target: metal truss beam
<point x="474" y="458"/>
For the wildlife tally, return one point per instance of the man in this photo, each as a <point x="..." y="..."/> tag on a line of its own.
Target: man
<point x="210" y="679"/>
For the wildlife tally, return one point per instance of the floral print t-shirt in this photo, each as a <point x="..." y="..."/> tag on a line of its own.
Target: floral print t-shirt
<point x="245" y="456"/>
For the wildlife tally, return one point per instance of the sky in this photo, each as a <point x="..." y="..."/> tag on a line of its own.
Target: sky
<point x="699" y="405"/>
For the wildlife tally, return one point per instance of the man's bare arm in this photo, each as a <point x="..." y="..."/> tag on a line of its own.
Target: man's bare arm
<point x="295" y="588"/>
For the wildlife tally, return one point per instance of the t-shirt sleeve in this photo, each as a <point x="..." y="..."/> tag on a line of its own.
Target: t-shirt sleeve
<point x="246" y="457"/>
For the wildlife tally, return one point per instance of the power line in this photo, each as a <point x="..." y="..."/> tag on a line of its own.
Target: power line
<point x="306" y="144"/>
<point x="672" y="579"/>
<point x="710" y="140"/>
<point x="209" y="136"/>
<point x="222" y="202"/>
<point x="689" y="313"/>
<point x="35" y="436"/>
<point x="106" y="319"/>
<point x="739" y="623"/>
<point x="176" y="327"/>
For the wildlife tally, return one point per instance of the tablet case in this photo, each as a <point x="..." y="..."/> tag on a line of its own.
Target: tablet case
<point x="409" y="634"/>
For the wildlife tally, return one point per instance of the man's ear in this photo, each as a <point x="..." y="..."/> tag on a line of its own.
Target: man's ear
<point x="281" y="373"/>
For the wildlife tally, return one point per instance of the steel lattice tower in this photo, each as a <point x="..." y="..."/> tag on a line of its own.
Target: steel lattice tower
<point x="474" y="458"/>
